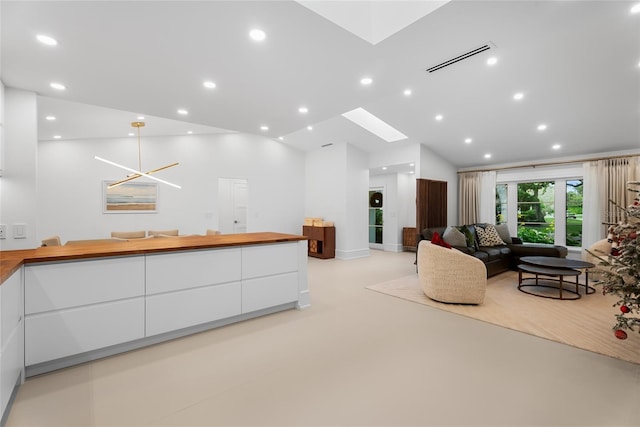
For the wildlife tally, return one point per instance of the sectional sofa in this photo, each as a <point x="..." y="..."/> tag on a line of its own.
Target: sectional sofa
<point x="498" y="255"/>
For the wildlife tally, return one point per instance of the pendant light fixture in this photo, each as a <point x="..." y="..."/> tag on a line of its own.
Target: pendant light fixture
<point x="135" y="174"/>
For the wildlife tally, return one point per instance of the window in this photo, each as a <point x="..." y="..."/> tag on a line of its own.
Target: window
<point x="536" y="214"/>
<point x="574" y="212"/>
<point x="501" y="204"/>
<point x="548" y="211"/>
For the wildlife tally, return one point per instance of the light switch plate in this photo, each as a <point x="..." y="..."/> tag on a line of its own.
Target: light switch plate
<point x="3" y="231"/>
<point x="19" y="231"/>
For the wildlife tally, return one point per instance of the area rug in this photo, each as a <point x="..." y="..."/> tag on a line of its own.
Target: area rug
<point x="584" y="323"/>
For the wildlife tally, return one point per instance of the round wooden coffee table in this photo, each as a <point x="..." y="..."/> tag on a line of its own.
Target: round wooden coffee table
<point x="554" y="267"/>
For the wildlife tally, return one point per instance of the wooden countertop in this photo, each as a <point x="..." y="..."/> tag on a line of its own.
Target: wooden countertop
<point x="10" y="261"/>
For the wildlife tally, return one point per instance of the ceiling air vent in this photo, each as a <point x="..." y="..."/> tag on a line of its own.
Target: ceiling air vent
<point x="458" y="58"/>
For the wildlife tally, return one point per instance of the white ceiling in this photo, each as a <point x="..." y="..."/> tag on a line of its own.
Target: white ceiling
<point x="577" y="62"/>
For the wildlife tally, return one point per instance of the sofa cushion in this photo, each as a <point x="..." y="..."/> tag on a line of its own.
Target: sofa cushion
<point x="469" y="235"/>
<point x="454" y="237"/>
<point x="503" y="232"/>
<point x="482" y="256"/>
<point x="488" y="236"/>
<point x="495" y="252"/>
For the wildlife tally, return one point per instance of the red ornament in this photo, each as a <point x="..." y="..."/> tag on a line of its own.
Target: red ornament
<point x="620" y="334"/>
<point x="615" y="252"/>
<point x="624" y="309"/>
<point x="633" y="235"/>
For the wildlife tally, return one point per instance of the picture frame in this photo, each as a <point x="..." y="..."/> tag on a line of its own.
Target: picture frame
<point x="130" y="197"/>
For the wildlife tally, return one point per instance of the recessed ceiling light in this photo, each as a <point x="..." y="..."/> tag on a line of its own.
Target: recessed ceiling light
<point x="468" y="140"/>
<point x="189" y="132"/>
<point x="384" y="168"/>
<point x="131" y="134"/>
<point x="183" y="112"/>
<point x="556" y="146"/>
<point x="487" y="156"/>
<point x="407" y="92"/>
<point x="264" y="128"/>
<point x="281" y="138"/>
<point x="366" y="81"/>
<point x="49" y="41"/>
<point x="209" y="84"/>
<point x="309" y="127"/>
<point x="50" y="118"/>
<point x="257" y="34"/>
<point x="411" y="172"/>
<point x="635" y="8"/>
<point x="542" y="126"/>
<point x="492" y="61"/>
<point x="374" y="124"/>
<point x="439" y="117"/>
<point x="303" y="110"/>
<point x="58" y="86"/>
<point x="518" y="96"/>
<point x="412" y="164"/>
<point x="140" y="117"/>
<point x="56" y="137"/>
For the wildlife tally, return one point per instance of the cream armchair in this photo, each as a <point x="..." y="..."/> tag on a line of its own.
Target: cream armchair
<point x="448" y="275"/>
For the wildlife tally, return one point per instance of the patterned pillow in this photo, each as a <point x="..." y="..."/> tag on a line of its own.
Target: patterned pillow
<point x="471" y="240"/>
<point x="488" y="236"/>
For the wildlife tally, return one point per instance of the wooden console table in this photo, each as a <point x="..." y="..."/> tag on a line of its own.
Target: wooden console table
<point x="322" y="241"/>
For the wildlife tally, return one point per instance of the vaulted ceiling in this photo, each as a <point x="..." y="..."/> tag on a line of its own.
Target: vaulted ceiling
<point x="576" y="64"/>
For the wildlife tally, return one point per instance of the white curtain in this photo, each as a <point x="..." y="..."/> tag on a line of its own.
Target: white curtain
<point x="593" y="203"/>
<point x="488" y="197"/>
<point x="606" y="181"/>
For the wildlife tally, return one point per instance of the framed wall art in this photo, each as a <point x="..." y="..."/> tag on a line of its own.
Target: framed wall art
<point x="130" y="197"/>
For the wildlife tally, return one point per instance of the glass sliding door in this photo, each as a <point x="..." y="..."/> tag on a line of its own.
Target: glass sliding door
<point x="375" y="216"/>
<point x="574" y="212"/>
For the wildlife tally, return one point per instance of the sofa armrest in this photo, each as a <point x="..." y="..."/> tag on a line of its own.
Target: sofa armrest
<point x="516" y="240"/>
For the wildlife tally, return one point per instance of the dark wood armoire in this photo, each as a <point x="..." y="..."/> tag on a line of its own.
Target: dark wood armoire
<point x="431" y="204"/>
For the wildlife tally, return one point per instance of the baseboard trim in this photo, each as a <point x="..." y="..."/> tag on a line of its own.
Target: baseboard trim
<point x="353" y="254"/>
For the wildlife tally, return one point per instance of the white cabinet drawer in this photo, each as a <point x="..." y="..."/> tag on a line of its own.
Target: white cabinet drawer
<point x="176" y="310"/>
<point x="183" y="270"/>
<point x="71" y="284"/>
<point x="53" y="335"/>
<point x="267" y="260"/>
<point x="269" y="291"/>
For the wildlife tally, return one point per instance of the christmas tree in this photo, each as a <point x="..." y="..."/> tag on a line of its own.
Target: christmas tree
<point x="621" y="267"/>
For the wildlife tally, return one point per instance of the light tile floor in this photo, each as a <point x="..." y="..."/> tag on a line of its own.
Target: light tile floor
<point x="356" y="357"/>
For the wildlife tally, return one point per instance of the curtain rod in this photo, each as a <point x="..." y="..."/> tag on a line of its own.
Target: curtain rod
<point x="566" y="162"/>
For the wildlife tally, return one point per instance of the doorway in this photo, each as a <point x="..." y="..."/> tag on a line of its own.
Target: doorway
<point x="376" y="217"/>
<point x="233" y="205"/>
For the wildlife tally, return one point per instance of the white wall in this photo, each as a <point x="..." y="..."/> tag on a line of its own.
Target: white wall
<point x="357" y="205"/>
<point x="18" y="203"/>
<point x="432" y="166"/>
<point x="337" y="183"/>
<point x="70" y="183"/>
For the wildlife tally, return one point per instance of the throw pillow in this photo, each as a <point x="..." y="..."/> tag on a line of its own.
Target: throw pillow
<point x="471" y="240"/>
<point x="454" y="237"/>
<point x="488" y="236"/>
<point x="437" y="240"/>
<point x="503" y="232"/>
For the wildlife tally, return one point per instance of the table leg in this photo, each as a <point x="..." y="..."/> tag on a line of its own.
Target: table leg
<point x="561" y="277"/>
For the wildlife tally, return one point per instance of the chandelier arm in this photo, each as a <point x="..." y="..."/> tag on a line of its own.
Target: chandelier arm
<point x="138" y="172"/>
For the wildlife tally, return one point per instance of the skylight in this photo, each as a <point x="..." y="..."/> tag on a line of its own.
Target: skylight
<point x="373" y="124"/>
